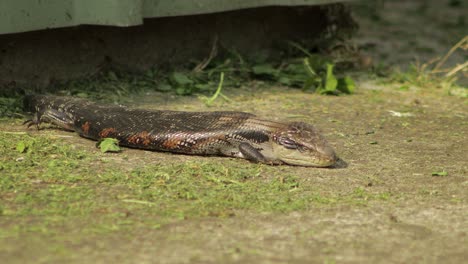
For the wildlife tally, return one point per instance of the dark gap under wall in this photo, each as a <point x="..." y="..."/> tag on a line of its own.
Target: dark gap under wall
<point x="41" y="58"/>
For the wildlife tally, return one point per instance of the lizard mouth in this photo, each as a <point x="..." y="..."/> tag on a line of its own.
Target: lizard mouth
<point x="309" y="162"/>
<point x="317" y="159"/>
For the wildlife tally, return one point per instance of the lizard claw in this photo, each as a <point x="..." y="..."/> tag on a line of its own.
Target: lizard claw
<point x="32" y="122"/>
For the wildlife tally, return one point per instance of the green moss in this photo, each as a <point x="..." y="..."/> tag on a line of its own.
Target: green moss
<point x="49" y="186"/>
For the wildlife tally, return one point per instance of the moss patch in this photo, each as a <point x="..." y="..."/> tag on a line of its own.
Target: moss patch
<point x="48" y="186"/>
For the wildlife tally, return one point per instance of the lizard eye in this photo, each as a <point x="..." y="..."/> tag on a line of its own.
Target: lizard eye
<point x="288" y="143"/>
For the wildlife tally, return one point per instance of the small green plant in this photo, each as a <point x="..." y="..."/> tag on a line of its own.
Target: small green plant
<point x="313" y="73"/>
<point x="109" y="145"/>
<point x="433" y="73"/>
<point x="209" y="101"/>
<point x="22" y="146"/>
<point x="324" y="81"/>
<point x="9" y="106"/>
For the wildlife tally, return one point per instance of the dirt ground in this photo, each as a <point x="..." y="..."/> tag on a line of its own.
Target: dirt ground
<point x="404" y="151"/>
<point x="422" y="218"/>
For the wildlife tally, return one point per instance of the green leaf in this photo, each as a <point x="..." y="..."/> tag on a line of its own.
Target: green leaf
<point x="109" y="145"/>
<point x="182" y="90"/>
<point x="331" y="82"/>
<point x="181" y="79"/>
<point x="294" y="75"/>
<point x="312" y="84"/>
<point x="439" y="173"/>
<point x="164" y="87"/>
<point x="296" y="68"/>
<point x="285" y="80"/>
<point x="309" y="70"/>
<point x="265" y="69"/>
<point x="112" y="76"/>
<point x="21" y="147"/>
<point x="203" y="86"/>
<point x="149" y="74"/>
<point x="404" y="88"/>
<point x="346" y="85"/>
<point x="317" y="62"/>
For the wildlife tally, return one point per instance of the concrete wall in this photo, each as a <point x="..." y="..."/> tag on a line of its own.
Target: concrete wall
<point x="40" y="58"/>
<point x="27" y="15"/>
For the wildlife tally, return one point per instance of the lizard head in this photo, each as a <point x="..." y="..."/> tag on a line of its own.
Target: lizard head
<point x="301" y="144"/>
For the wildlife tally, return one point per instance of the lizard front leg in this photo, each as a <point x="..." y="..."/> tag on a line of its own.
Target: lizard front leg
<point x="51" y="116"/>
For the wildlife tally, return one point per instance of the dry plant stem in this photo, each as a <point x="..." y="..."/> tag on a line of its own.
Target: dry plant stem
<point x="461" y="67"/>
<point x="444" y="59"/>
<point x="424" y="66"/>
<point x="214" y="51"/>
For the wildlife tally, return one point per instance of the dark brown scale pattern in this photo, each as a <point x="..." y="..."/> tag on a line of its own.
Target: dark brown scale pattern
<point x="184" y="132"/>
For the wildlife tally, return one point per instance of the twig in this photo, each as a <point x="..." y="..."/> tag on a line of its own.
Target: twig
<point x="137" y="202"/>
<point x="424" y="66"/>
<point x="460" y="67"/>
<point x="299" y="47"/>
<point x="214" y="51"/>
<point x="13" y="132"/>
<point x="444" y="59"/>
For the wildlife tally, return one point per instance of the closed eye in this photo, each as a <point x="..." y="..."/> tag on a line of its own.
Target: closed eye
<point x="288" y="143"/>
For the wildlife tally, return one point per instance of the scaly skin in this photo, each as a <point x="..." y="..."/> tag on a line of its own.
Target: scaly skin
<point x="233" y="134"/>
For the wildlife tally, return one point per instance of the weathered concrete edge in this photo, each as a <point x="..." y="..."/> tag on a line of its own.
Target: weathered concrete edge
<point x="181" y="8"/>
<point x="27" y="15"/>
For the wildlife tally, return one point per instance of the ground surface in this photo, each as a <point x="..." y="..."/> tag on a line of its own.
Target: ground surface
<point x="399" y="196"/>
